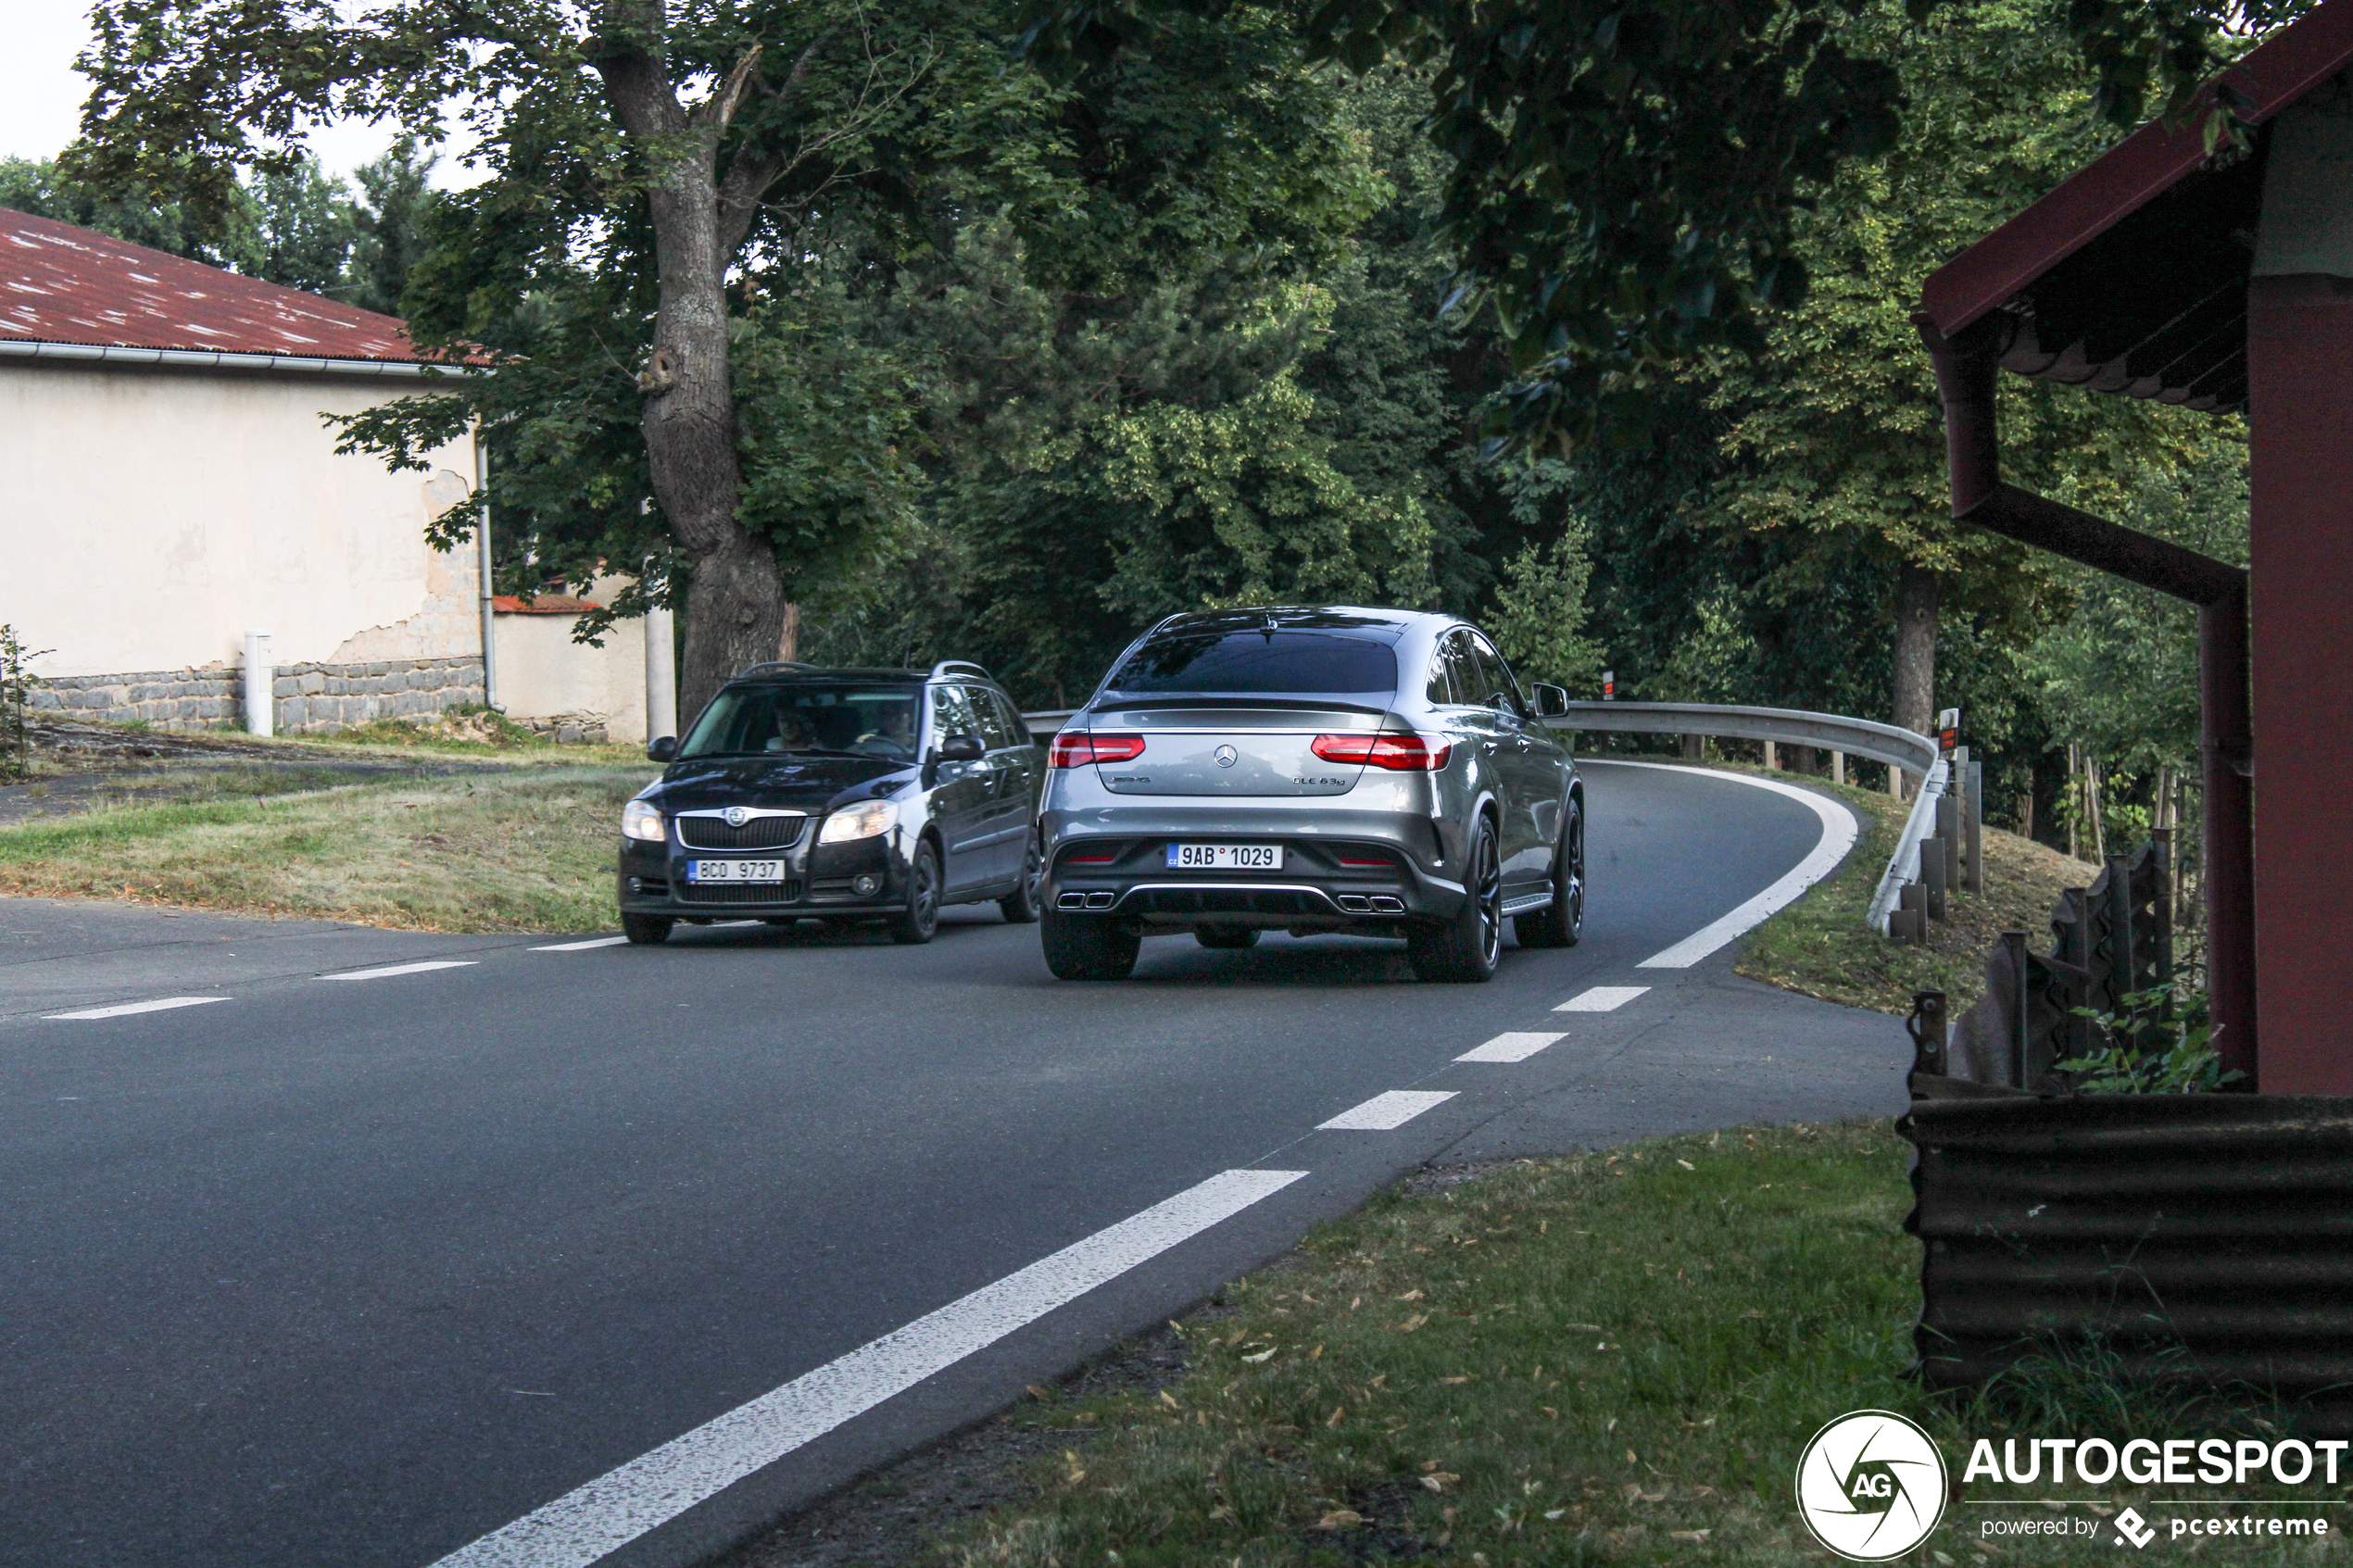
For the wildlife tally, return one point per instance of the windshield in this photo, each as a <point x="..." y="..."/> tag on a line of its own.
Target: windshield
<point x="1250" y="663"/>
<point x="856" y="720"/>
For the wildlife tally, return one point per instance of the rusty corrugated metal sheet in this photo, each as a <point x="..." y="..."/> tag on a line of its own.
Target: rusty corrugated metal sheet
<point x="2204" y="1236"/>
<point x="59" y="283"/>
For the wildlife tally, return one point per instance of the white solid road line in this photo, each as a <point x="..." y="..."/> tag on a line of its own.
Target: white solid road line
<point x="1508" y="1047"/>
<point x="390" y="970"/>
<point x="1602" y="998"/>
<point x="161" y="1004"/>
<point x="584" y="947"/>
<point x="1385" y="1113"/>
<point x="621" y="1505"/>
<point x="1839" y="828"/>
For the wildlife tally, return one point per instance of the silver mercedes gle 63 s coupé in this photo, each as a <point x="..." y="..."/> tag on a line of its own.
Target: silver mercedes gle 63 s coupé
<point x="1373" y="772"/>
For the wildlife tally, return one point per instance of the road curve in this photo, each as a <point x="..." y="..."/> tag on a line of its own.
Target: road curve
<point x="362" y="1273"/>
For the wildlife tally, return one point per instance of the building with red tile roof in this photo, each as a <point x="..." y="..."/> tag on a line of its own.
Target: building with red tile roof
<point x="173" y="486"/>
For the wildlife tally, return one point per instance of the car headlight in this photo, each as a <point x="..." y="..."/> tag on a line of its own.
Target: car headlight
<point x="639" y="820"/>
<point x="859" y="822"/>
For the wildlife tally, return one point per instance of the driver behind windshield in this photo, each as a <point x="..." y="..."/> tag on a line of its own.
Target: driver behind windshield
<point x="806" y="718"/>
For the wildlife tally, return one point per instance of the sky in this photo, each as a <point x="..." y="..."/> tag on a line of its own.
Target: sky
<point x="41" y="94"/>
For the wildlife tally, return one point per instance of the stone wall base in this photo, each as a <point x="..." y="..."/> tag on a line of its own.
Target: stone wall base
<point x="309" y="698"/>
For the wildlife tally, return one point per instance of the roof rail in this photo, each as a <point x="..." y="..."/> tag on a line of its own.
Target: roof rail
<point x="958" y="666"/>
<point x="775" y="664"/>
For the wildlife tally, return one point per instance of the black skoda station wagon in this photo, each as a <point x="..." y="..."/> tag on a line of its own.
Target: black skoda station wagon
<point x="805" y="793"/>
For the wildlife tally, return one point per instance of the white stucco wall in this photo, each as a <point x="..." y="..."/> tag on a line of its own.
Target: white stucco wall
<point x="148" y="518"/>
<point x="544" y="675"/>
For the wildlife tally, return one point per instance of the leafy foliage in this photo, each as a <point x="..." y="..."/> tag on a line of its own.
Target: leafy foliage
<point x="2156" y="1043"/>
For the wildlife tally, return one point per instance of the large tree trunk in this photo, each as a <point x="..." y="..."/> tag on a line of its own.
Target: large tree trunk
<point x="1916" y="596"/>
<point x="734" y="594"/>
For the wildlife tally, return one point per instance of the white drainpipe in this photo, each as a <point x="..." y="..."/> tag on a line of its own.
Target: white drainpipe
<point x="489" y="608"/>
<point x="661" y="675"/>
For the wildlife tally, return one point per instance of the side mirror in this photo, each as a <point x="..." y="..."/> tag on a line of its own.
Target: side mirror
<point x="1552" y="702"/>
<point x="662" y="750"/>
<point x="960" y="748"/>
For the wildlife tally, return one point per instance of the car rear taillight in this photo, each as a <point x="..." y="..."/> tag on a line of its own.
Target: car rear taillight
<point x="1398" y="754"/>
<point x="1076" y="749"/>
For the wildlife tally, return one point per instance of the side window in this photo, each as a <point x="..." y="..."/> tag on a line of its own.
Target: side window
<point x="1441" y="691"/>
<point x="1496" y="688"/>
<point x="1013" y="724"/>
<point x="993" y="732"/>
<point x="951" y="714"/>
<point x="1463" y="670"/>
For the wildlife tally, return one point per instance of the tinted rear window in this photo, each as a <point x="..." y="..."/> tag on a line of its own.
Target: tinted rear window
<point x="1248" y="663"/>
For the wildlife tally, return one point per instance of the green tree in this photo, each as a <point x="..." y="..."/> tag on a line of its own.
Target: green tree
<point x="388" y="219"/>
<point x="154" y="218"/>
<point x="304" y="223"/>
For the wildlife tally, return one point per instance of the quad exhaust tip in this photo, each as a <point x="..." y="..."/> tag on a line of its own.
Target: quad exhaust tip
<point x="1101" y="900"/>
<point x="1071" y="901"/>
<point x="1385" y="905"/>
<point x="1355" y="903"/>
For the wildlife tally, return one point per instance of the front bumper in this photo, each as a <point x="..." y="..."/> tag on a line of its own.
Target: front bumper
<point x="820" y="879"/>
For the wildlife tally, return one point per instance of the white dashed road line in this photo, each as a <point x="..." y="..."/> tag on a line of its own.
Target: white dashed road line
<point x="161" y="1004"/>
<point x="390" y="970"/>
<point x="1602" y="998"/>
<point x="1386" y="1113"/>
<point x="594" y="1520"/>
<point x="583" y="946"/>
<point x="1509" y="1047"/>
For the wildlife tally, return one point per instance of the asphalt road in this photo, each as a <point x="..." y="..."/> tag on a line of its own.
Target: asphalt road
<point x="359" y="1270"/>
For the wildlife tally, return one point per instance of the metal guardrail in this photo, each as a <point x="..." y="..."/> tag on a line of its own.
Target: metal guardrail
<point x="1887" y="744"/>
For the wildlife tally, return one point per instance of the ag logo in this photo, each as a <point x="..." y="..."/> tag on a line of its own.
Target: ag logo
<point x="1871" y="1486"/>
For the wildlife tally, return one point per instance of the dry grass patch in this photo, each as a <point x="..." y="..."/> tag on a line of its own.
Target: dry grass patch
<point x="528" y="850"/>
<point x="1820" y="946"/>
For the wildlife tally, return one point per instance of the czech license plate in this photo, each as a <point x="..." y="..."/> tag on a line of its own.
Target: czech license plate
<point x="734" y="870"/>
<point x="1226" y="856"/>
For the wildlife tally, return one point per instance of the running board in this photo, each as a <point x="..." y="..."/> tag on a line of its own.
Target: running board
<point x="1533" y="901"/>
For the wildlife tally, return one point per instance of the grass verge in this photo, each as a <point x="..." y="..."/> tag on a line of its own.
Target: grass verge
<point x="530" y="849"/>
<point x="1617" y="1357"/>
<point x="1820" y="946"/>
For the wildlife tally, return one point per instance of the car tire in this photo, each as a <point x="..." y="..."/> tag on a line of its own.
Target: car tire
<point x="914" y="924"/>
<point x="1088" y="947"/>
<point x="1561" y="922"/>
<point x="1021" y="904"/>
<point x="1466" y="949"/>
<point x="1228" y="937"/>
<point x="645" y="930"/>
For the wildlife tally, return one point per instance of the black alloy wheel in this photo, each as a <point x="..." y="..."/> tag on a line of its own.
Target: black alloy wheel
<point x="1561" y="922"/>
<point x="1228" y="937"/>
<point x="645" y="930"/>
<point x="1466" y="949"/>
<point x="1088" y="947"/>
<point x="1021" y="904"/>
<point x="914" y="924"/>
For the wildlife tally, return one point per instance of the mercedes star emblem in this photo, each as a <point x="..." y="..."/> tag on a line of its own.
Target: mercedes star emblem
<point x="1226" y="756"/>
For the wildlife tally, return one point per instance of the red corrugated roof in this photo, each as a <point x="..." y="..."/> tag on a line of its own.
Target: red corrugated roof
<point x="545" y="604"/>
<point x="63" y="285"/>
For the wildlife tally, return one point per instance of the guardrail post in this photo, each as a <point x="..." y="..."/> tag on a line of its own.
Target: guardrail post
<point x="1973" y="817"/>
<point x="1933" y="866"/>
<point x="1772" y="756"/>
<point x="1948" y="828"/>
<point x="1838" y="767"/>
<point x="1908" y="920"/>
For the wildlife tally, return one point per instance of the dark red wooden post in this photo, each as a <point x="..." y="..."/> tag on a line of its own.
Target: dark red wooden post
<point x="2300" y="352"/>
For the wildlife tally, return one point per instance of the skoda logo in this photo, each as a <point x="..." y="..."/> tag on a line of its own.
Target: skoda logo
<point x="736" y="816"/>
<point x="1226" y="756"/>
<point x="1871" y="1486"/>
